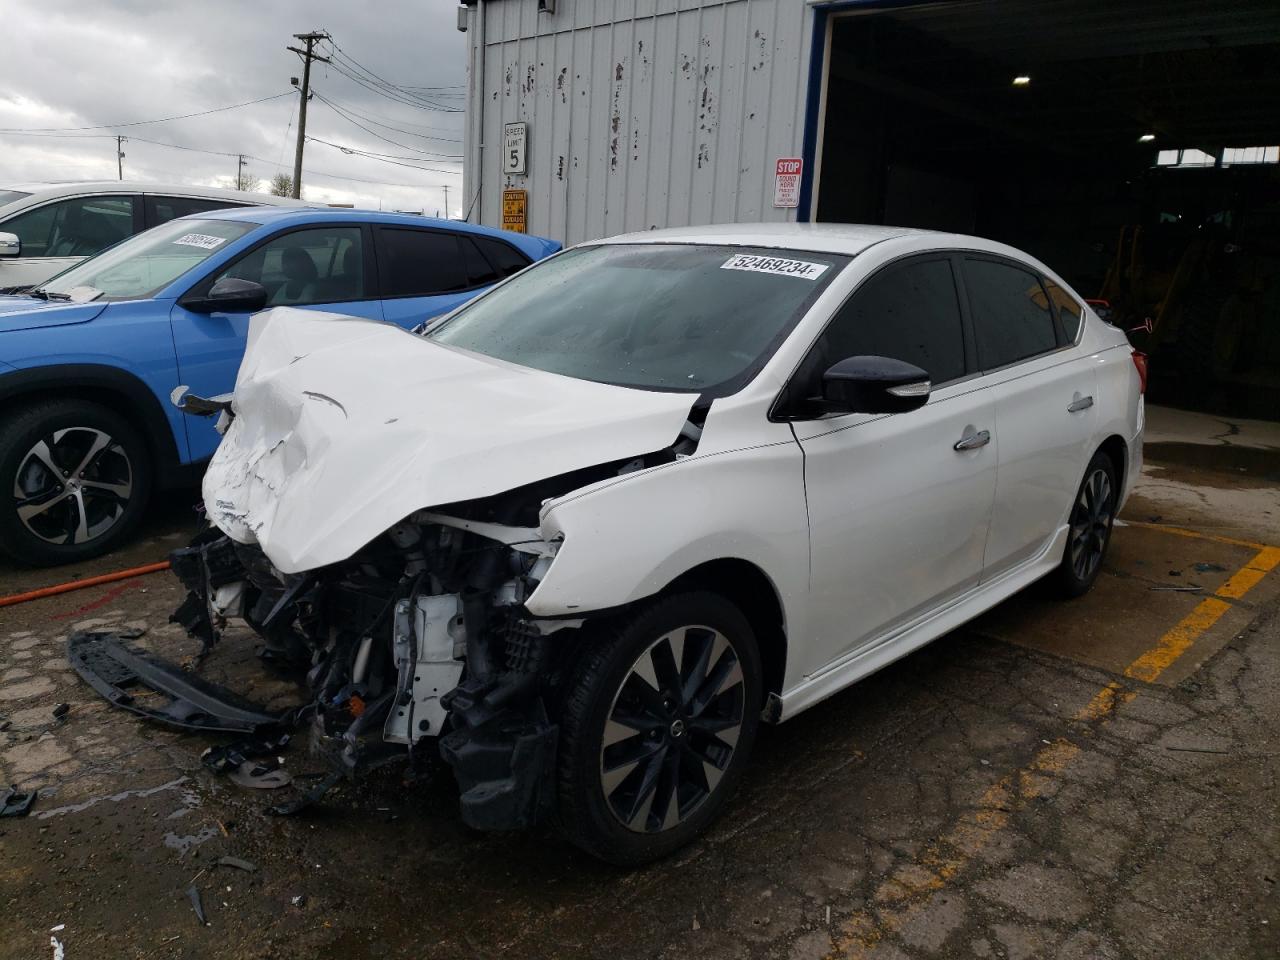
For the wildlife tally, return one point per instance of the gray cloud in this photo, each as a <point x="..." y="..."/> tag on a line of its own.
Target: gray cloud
<point x="70" y="63"/>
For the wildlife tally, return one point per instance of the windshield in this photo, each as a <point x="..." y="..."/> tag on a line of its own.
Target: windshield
<point x="142" y="265"/>
<point x="678" y="317"/>
<point x="8" y="196"/>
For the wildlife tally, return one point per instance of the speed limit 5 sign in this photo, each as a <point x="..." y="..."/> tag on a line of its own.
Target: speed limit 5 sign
<point x="515" y="137"/>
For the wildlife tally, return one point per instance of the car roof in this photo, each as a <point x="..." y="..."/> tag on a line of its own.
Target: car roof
<point x="66" y="188"/>
<point x="846" y="238"/>
<point x="279" y="215"/>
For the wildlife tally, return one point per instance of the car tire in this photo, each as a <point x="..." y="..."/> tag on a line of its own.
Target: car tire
<point x="75" y="478"/>
<point x="1090" y="522"/>
<point x="629" y="798"/>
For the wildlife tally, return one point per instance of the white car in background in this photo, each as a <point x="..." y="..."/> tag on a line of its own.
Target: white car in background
<point x="584" y="533"/>
<point x="47" y="227"/>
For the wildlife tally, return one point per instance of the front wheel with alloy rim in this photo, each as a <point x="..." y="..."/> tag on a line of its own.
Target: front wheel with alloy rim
<point x="75" y="477"/>
<point x="1089" y="527"/>
<point x="657" y="724"/>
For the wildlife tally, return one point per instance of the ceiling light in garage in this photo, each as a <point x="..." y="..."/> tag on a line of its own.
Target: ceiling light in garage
<point x="1021" y="80"/>
<point x="1146" y="138"/>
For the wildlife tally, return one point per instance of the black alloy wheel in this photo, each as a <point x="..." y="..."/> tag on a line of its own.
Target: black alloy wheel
<point x="656" y="727"/>
<point x="1089" y="527"/>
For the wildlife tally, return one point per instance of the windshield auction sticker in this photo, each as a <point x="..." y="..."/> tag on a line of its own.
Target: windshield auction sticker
<point x="202" y="240"/>
<point x="775" y="265"/>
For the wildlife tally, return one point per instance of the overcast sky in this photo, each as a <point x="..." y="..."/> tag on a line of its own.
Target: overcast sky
<point x="81" y="63"/>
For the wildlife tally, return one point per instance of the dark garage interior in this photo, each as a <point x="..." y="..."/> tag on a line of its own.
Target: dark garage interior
<point x="1131" y="146"/>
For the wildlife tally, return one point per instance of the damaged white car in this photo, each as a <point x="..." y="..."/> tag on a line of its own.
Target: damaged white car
<point x="582" y="535"/>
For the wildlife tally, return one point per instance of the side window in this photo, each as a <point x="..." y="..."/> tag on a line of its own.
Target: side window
<point x="911" y="313"/>
<point x="325" y="265"/>
<point x="505" y="258"/>
<point x="1011" y="318"/>
<point x="480" y="272"/>
<point x="79" y="227"/>
<point x="163" y="209"/>
<point x="1069" y="311"/>
<point x="419" y="263"/>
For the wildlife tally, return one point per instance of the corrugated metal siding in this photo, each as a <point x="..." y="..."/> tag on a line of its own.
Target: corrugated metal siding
<point x="642" y="113"/>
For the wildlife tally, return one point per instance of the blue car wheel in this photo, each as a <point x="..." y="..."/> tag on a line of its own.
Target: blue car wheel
<point x="75" y="478"/>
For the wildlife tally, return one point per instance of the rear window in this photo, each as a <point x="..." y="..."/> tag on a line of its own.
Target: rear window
<point x="419" y="263"/>
<point x="163" y="209"/>
<point x="504" y="257"/>
<point x="1069" y="311"/>
<point x="8" y="196"/>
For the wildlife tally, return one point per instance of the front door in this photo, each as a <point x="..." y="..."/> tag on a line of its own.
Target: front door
<point x="319" y="268"/>
<point x="899" y="505"/>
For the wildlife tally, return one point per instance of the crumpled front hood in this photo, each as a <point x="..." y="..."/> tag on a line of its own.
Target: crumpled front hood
<point x="28" y="313"/>
<point x="344" y="427"/>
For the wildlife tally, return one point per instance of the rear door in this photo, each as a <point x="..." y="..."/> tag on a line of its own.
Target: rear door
<point x="314" y="268"/>
<point x="427" y="272"/>
<point x="898" y="515"/>
<point x="1043" y="389"/>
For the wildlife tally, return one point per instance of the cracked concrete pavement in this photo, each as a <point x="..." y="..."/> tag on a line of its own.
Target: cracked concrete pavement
<point x="1006" y="792"/>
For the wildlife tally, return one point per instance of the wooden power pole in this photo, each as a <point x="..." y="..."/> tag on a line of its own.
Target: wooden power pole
<point x="307" y="55"/>
<point x="120" y="157"/>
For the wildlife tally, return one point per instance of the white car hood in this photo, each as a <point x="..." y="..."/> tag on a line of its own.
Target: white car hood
<point x="344" y="427"/>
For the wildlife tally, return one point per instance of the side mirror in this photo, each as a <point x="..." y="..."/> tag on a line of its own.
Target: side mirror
<point x="230" y="295"/>
<point x="10" y="245"/>
<point x="874" y="385"/>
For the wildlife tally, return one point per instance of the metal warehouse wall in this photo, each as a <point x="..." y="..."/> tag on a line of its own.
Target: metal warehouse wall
<point x="642" y="113"/>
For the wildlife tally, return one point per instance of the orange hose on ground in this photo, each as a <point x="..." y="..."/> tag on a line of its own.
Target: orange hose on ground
<point x="81" y="584"/>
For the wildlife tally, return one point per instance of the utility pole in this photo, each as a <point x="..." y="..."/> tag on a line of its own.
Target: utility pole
<point x="446" y="201"/>
<point x="239" y="171"/>
<point x="307" y="55"/>
<point x="120" y="157"/>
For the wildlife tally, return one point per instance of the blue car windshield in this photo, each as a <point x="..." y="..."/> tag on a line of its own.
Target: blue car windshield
<point x="141" y="266"/>
<point x="657" y="316"/>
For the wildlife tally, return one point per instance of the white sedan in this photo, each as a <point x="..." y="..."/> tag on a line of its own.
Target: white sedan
<point x="590" y="529"/>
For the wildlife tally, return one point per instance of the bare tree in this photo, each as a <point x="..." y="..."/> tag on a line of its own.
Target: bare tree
<point x="246" y="181"/>
<point x="282" y="185"/>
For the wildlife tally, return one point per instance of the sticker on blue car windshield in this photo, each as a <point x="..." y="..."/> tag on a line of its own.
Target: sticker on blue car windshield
<point x="775" y="265"/>
<point x="202" y="240"/>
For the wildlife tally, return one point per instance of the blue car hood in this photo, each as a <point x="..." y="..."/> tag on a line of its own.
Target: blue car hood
<point x="28" y="313"/>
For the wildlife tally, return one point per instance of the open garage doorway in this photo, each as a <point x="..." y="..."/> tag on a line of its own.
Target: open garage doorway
<point x="1131" y="146"/>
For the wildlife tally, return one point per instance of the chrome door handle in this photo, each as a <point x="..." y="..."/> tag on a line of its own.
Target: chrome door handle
<point x="1081" y="403"/>
<point x="973" y="441"/>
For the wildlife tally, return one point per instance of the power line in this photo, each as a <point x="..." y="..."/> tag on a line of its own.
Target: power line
<point x="250" y="156"/>
<point x="383" y="158"/>
<point x="139" y="123"/>
<point x="387" y="93"/>
<point x="374" y="118"/>
<point x="354" y="64"/>
<point x="378" y="155"/>
<point x="374" y="133"/>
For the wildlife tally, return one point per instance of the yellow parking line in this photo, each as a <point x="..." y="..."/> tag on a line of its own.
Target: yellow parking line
<point x="1175" y="643"/>
<point x="906" y="891"/>
<point x="1195" y="534"/>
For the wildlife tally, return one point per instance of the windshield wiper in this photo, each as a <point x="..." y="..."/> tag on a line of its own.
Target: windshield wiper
<point x="42" y="294"/>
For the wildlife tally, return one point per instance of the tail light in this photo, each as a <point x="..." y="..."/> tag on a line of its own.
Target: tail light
<point x="1140" y="362"/>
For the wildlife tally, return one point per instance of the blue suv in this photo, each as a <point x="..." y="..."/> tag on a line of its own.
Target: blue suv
<point x="89" y="361"/>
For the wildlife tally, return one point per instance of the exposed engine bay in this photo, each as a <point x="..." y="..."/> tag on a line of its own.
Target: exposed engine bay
<point x="419" y="644"/>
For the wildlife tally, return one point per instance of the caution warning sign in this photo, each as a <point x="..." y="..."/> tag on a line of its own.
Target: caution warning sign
<point x="515" y="204"/>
